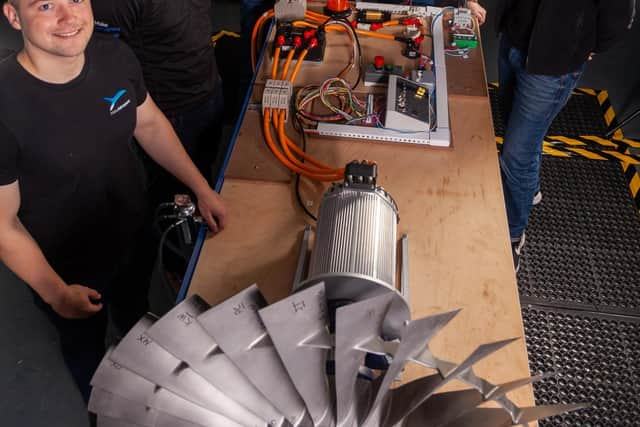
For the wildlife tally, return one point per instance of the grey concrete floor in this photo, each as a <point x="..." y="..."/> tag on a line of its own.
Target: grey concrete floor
<point x="35" y="388"/>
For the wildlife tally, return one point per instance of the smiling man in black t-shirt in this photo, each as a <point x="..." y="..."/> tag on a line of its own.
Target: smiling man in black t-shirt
<point x="70" y="187"/>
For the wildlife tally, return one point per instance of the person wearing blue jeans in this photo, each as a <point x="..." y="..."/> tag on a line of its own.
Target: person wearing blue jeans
<point x="544" y="47"/>
<point x="530" y="102"/>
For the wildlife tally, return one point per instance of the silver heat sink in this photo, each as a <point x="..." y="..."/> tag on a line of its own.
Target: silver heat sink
<point x="355" y="247"/>
<point x="355" y="236"/>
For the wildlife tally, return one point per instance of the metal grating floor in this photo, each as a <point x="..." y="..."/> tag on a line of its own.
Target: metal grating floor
<point x="596" y="359"/>
<point x="583" y="240"/>
<point x="581" y="116"/>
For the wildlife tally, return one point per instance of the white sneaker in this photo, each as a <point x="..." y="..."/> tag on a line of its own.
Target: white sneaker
<point x="516" y="250"/>
<point x="537" y="198"/>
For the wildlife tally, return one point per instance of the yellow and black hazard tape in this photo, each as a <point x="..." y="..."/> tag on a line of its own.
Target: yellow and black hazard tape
<point x="560" y="146"/>
<point x="618" y="148"/>
<point x="554" y="146"/>
<point x="607" y="109"/>
<point x="602" y="97"/>
<point x="633" y="178"/>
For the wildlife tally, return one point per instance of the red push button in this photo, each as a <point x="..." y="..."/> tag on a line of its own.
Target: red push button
<point x="378" y="62"/>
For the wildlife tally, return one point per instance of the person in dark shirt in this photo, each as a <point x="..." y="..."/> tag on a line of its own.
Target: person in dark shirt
<point x="172" y="40"/>
<point x="71" y="191"/>
<point x="544" y="47"/>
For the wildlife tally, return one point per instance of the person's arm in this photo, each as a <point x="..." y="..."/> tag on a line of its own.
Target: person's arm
<point x="23" y="256"/>
<point x="157" y="137"/>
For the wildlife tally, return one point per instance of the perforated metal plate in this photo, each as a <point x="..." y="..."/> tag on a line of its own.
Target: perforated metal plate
<point x="581" y="116"/>
<point x="583" y="240"/>
<point x="596" y="358"/>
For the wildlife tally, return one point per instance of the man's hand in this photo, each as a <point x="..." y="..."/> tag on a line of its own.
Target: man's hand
<point x="478" y="11"/>
<point x="212" y="208"/>
<point x="77" y="302"/>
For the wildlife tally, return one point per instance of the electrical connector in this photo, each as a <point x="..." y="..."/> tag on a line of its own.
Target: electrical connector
<point x="290" y="10"/>
<point x="277" y="95"/>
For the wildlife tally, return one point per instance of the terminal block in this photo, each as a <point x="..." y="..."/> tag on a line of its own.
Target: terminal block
<point x="289" y="10"/>
<point x="276" y="96"/>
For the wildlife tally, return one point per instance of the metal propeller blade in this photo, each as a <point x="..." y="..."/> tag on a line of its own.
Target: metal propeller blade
<point x="139" y="353"/>
<point x="356" y="324"/>
<point x="118" y="380"/>
<point x="180" y="334"/>
<point x="238" y="330"/>
<point x="104" y="421"/>
<point x="298" y="327"/>
<point x="493" y="417"/>
<point x="443" y="408"/>
<point x="111" y="405"/>
<point x="410" y="397"/>
<point x="414" y="339"/>
<point x="180" y="412"/>
<point x="538" y="412"/>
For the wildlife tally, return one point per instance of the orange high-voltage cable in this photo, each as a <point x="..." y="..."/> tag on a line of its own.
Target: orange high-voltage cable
<point x="319" y="171"/>
<point x="274" y="149"/>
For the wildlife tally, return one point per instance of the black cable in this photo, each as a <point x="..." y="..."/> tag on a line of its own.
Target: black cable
<point x="172" y="293"/>
<point x="158" y="229"/>
<point x="297" y="125"/>
<point x="357" y="40"/>
<point x="360" y="67"/>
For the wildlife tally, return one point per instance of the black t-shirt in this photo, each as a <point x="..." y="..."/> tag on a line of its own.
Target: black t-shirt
<point x="172" y="40"/>
<point x="69" y="147"/>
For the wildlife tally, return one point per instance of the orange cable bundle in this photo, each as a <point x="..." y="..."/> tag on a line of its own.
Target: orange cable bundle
<point x="289" y="153"/>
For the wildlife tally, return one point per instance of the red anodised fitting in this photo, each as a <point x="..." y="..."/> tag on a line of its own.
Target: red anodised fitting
<point x="354" y="24"/>
<point x="410" y="21"/>
<point x="337" y="6"/>
<point x="280" y="40"/>
<point x="313" y="43"/>
<point x="297" y="41"/>
<point x="308" y="34"/>
<point x="418" y="40"/>
<point x="376" y="26"/>
<point x="378" y="62"/>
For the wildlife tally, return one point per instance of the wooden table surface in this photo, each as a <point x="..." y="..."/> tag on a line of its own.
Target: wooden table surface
<point x="450" y="202"/>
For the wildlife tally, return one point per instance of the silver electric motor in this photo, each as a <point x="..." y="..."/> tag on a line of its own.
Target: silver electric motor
<point x="355" y="246"/>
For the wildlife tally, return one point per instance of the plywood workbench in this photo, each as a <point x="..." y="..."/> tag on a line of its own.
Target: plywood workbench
<point x="451" y="206"/>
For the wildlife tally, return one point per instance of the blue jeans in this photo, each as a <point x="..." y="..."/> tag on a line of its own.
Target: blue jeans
<point x="530" y="102"/>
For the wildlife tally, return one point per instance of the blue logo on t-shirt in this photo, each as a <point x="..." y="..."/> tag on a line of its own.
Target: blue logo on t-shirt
<point x="103" y="27"/>
<point x="114" y="100"/>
